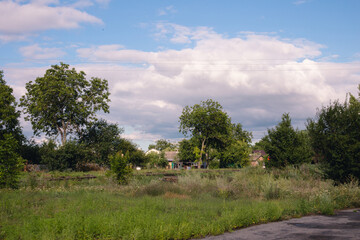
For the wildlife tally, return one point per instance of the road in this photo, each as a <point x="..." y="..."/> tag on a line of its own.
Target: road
<point x="344" y="224"/>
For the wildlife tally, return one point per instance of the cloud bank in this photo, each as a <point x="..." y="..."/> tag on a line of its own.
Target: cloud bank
<point x="19" y="20"/>
<point x="255" y="77"/>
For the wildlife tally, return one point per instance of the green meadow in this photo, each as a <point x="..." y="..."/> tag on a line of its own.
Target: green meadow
<point x="192" y="204"/>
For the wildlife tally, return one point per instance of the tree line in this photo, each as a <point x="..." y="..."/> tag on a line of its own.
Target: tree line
<point x="63" y="103"/>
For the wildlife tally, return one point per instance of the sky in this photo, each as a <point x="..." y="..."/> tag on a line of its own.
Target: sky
<point x="257" y="58"/>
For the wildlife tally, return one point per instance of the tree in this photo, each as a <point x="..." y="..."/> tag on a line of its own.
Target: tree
<point x="207" y="122"/>
<point x="9" y="116"/>
<point x="63" y="101"/>
<point x="237" y="149"/>
<point x="163" y="144"/>
<point x="239" y="134"/>
<point x="335" y="138"/>
<point x="236" y="155"/>
<point x="285" y="145"/>
<point x="186" y="151"/>
<point x="103" y="139"/>
<point x="71" y="155"/>
<point x="10" y="137"/>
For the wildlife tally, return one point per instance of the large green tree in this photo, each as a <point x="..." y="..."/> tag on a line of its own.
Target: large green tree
<point x="335" y="137"/>
<point x="285" y="145"/>
<point x="63" y="101"/>
<point x="207" y="123"/>
<point x="103" y="139"/>
<point x="10" y="137"/>
<point x="9" y="116"/>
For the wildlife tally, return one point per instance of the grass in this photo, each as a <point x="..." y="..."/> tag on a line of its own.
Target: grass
<point x="201" y="203"/>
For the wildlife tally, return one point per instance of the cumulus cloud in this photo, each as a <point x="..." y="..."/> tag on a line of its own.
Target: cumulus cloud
<point x="18" y="20"/>
<point x="37" y="52"/>
<point x="256" y="78"/>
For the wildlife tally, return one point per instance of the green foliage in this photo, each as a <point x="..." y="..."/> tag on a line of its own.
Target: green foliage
<point x="11" y="137"/>
<point x="103" y="139"/>
<point x="286" y="146"/>
<point x="239" y="134"/>
<point x="119" y="165"/>
<point x="151" y="146"/>
<point x="335" y="137"/>
<point x="65" y="157"/>
<point x="9" y="116"/>
<point x="11" y="163"/>
<point x="138" y="158"/>
<point x="207" y="123"/>
<point x="63" y="101"/>
<point x="30" y="151"/>
<point x="186" y="151"/>
<point x="163" y="144"/>
<point x="236" y="155"/>
<point x="155" y="160"/>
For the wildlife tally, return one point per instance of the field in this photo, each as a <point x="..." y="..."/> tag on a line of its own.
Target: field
<point x="165" y="204"/>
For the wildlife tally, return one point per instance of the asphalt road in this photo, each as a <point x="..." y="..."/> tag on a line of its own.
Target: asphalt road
<point x="344" y="224"/>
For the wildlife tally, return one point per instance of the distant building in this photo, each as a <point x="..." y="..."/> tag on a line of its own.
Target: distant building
<point x="152" y="151"/>
<point x="171" y="157"/>
<point x="257" y="158"/>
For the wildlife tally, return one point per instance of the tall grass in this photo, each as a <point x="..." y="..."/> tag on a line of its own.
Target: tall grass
<point x="201" y="203"/>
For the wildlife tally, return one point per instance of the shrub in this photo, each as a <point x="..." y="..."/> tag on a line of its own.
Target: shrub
<point x="68" y="156"/>
<point x="157" y="160"/>
<point x="287" y="146"/>
<point x="335" y="138"/>
<point x="119" y="165"/>
<point x="11" y="163"/>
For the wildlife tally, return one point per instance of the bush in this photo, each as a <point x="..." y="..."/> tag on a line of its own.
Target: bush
<point x="68" y="156"/>
<point x="11" y="163"/>
<point x="335" y="138"/>
<point x="119" y="165"/>
<point x="157" y="160"/>
<point x="287" y="146"/>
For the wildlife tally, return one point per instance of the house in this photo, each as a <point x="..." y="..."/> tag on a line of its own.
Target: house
<point x="171" y="157"/>
<point x="152" y="151"/>
<point x="257" y="158"/>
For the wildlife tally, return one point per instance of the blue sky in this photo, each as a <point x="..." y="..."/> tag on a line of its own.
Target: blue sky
<point x="259" y="59"/>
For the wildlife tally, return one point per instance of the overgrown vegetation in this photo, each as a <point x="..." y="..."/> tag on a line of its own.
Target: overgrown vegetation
<point x="65" y="204"/>
<point x="119" y="165"/>
<point x="335" y="138"/>
<point x="286" y="146"/>
<point x="202" y="202"/>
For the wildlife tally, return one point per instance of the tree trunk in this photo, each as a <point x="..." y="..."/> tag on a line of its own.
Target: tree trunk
<point x="63" y="133"/>
<point x="201" y="152"/>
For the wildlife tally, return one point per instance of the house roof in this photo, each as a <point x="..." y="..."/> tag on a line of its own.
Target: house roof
<point x="261" y="152"/>
<point x="171" y="155"/>
<point x="152" y="151"/>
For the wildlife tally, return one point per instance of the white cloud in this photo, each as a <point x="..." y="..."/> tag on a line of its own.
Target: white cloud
<point x="182" y="34"/>
<point x="19" y="20"/>
<point x="256" y="78"/>
<point x="36" y="52"/>
<point x="166" y="10"/>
